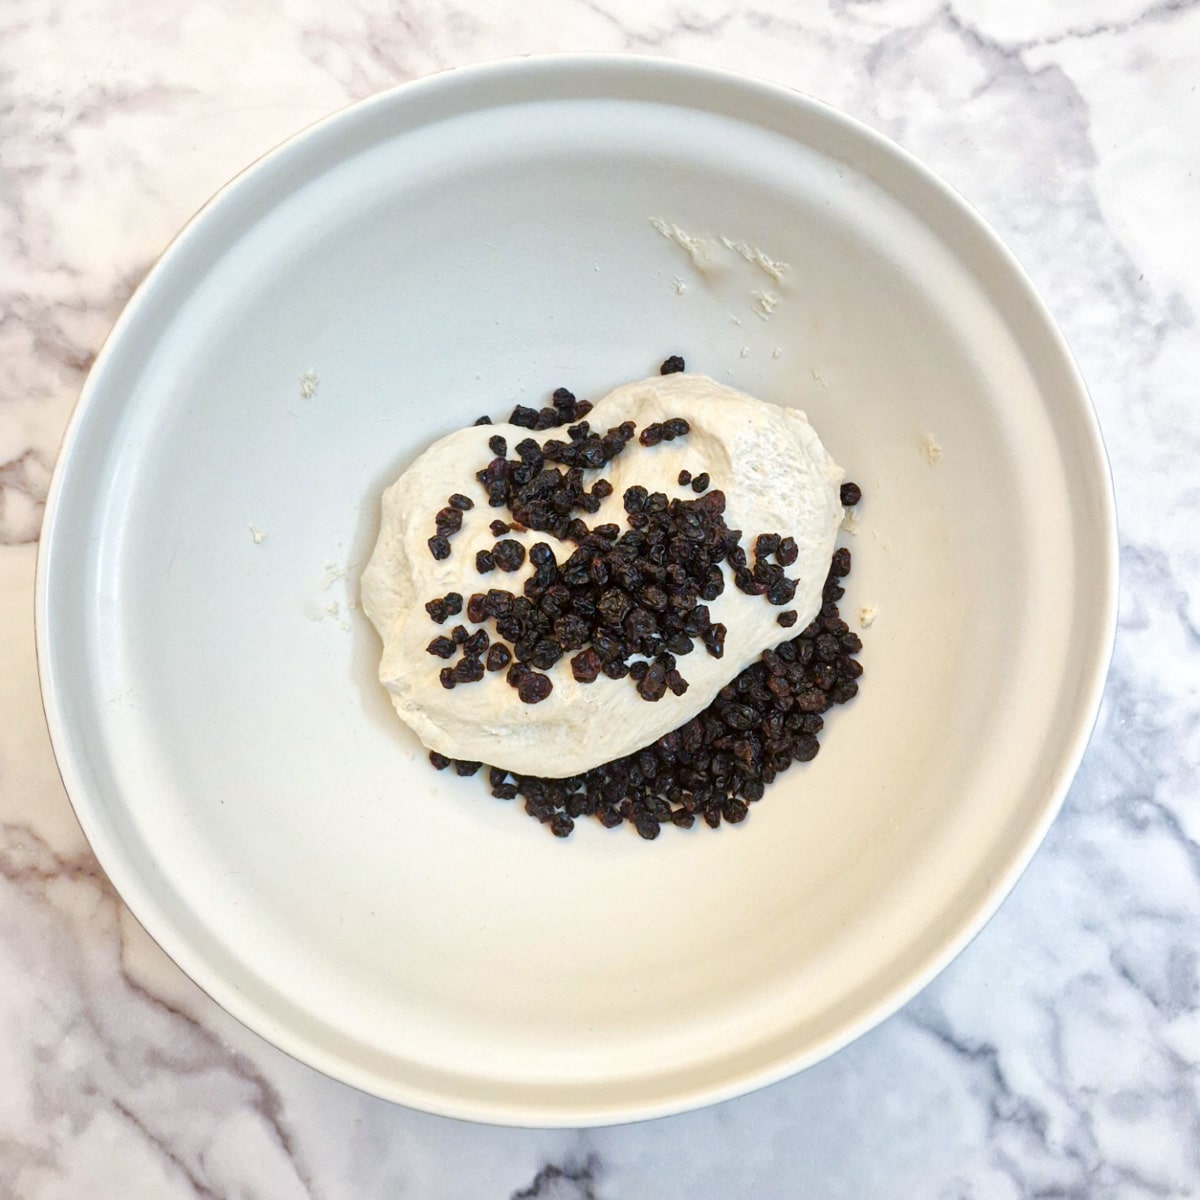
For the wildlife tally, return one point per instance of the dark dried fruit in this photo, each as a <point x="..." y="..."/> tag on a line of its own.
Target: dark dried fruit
<point x="647" y="827"/>
<point x="534" y="688"/>
<point x="635" y="498"/>
<point x="508" y="554"/>
<point x="477" y="608"/>
<point x="718" y="763"/>
<point x="459" y="501"/>
<point x="497" y="602"/>
<point x="766" y="544"/>
<point x="442" y="647"/>
<point x="827" y="648"/>
<point x="734" y="810"/>
<point x="586" y="666"/>
<point x="851" y="494"/>
<point x="448" y="605"/>
<point x="440" y="761"/>
<point x="439" y="546"/>
<point x="783" y="591"/>
<point x="467" y="670"/>
<point x="654" y="684"/>
<point x="714" y="639"/>
<point x="477" y="643"/>
<point x="545" y="654"/>
<point x="629" y="602"/>
<point x="640" y="624"/>
<point x="672" y="366"/>
<point x="448" y="520"/>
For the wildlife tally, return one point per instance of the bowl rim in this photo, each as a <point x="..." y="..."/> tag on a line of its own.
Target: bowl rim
<point x="159" y="927"/>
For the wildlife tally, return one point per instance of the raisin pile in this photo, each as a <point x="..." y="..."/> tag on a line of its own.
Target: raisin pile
<point x="620" y="595"/>
<point x="535" y="487"/>
<point x="720" y="762"/>
<point x="630" y="603"/>
<point x="624" y="603"/>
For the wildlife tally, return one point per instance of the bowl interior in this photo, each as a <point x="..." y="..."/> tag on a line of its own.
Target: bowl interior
<point x="449" y="250"/>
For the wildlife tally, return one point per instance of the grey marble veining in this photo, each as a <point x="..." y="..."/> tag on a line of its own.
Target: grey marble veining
<point x="1058" y="1056"/>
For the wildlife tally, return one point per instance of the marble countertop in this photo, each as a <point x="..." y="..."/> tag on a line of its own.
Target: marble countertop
<point x="1058" y="1056"/>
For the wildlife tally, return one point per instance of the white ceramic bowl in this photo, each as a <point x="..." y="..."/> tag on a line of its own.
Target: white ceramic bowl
<point x="449" y="248"/>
